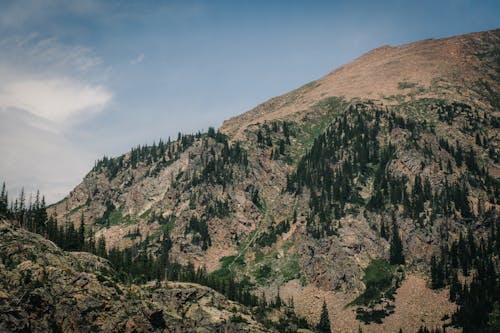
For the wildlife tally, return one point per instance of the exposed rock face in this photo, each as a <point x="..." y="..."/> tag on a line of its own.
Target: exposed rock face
<point x="44" y="289"/>
<point x="447" y="88"/>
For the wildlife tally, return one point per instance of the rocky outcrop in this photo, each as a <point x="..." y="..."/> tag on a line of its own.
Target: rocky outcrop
<point x="44" y="289"/>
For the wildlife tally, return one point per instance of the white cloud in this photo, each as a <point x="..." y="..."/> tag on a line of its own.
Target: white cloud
<point x="47" y="88"/>
<point x="138" y="60"/>
<point x="59" y="100"/>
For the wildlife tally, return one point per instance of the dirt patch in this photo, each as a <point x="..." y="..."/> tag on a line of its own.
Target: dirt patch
<point x="416" y="305"/>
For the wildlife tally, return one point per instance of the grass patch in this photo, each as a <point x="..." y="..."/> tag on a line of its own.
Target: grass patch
<point x="291" y="270"/>
<point x="287" y="245"/>
<point x="314" y="123"/>
<point x="406" y="85"/>
<point x="115" y="217"/>
<point x="228" y="261"/>
<point x="225" y="272"/>
<point x="129" y="220"/>
<point x="146" y="214"/>
<point x="381" y="282"/>
<point x="378" y="280"/>
<point x="169" y="225"/>
<point x="74" y="210"/>
<point x="259" y="256"/>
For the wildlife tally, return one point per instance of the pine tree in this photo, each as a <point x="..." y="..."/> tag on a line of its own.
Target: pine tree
<point x="4" y="201"/>
<point x="81" y="234"/>
<point x="101" y="247"/>
<point x="324" y="321"/>
<point x="434" y="274"/>
<point x="383" y="232"/>
<point x="396" y="250"/>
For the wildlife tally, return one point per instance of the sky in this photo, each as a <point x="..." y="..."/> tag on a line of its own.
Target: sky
<point x="83" y="79"/>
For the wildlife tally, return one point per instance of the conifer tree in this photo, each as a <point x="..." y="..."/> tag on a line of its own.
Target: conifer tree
<point x="101" y="247"/>
<point x="396" y="250"/>
<point x="81" y="233"/>
<point x="324" y="320"/>
<point x="4" y="201"/>
<point x="383" y="232"/>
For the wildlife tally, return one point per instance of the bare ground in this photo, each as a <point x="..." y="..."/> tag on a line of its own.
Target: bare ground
<point x="416" y="305"/>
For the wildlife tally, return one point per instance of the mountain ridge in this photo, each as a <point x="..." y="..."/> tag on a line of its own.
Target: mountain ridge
<point x="346" y="80"/>
<point x="317" y="184"/>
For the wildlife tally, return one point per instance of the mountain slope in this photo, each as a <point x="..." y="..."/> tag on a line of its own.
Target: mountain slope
<point x="318" y="185"/>
<point x="457" y="68"/>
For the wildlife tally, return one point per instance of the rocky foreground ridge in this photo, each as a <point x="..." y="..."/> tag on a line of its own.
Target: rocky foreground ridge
<point x="45" y="289"/>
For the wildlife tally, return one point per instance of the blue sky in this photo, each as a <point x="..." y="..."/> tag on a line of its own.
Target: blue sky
<point x="80" y="79"/>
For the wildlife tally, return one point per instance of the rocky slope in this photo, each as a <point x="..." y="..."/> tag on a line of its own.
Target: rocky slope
<point x="44" y="289"/>
<point x="301" y="188"/>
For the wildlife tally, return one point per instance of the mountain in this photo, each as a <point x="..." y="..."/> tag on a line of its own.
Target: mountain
<point x="462" y="68"/>
<point x="374" y="189"/>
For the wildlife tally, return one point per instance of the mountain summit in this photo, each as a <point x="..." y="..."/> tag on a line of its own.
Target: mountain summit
<point x="461" y="68"/>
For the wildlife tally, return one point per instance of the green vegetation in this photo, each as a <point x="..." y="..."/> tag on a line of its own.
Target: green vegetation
<point x="113" y="216"/>
<point x="220" y="164"/>
<point x="146" y="214"/>
<point x="229" y="261"/>
<point x="275" y="136"/>
<point x="167" y="224"/>
<point x="324" y="320"/>
<point x="291" y="269"/>
<point x="199" y="229"/>
<point x="396" y="256"/>
<point x="348" y="154"/>
<point x="406" y="85"/>
<point x="161" y="155"/>
<point x="74" y="210"/>
<point x="480" y="297"/>
<point x="314" y="123"/>
<point x="272" y="233"/>
<point x="379" y="283"/>
<point x="343" y="152"/>
<point x="263" y="273"/>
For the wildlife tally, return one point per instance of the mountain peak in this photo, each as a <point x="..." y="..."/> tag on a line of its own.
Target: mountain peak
<point x="442" y="68"/>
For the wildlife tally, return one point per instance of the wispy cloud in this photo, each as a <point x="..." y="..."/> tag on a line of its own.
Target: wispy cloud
<point x="40" y="55"/>
<point x="137" y="60"/>
<point x="18" y="13"/>
<point x="47" y="88"/>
